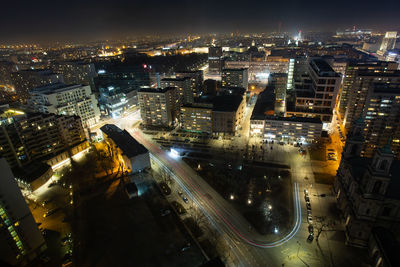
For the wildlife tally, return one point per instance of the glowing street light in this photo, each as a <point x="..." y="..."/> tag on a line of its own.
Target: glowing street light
<point x="249" y="201"/>
<point x="269" y="207"/>
<point x="276" y="230"/>
<point x="232" y="197"/>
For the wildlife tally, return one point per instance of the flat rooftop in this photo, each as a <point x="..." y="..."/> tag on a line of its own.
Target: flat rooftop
<point x="55" y="88"/>
<point x="129" y="146"/>
<point x="323" y="69"/>
<point x="156" y="90"/>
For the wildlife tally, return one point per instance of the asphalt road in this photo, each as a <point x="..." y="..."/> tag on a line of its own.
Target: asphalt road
<point x="244" y="242"/>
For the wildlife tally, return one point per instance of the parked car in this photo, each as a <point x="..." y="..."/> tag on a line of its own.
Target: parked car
<point x="310" y="238"/>
<point x="311" y="229"/>
<point x="165" y="212"/>
<point x="185" y="200"/>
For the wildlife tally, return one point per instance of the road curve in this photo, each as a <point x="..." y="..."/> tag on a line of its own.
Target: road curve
<point x="217" y="209"/>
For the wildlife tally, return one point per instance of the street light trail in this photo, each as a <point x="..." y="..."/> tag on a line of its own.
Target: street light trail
<point x="183" y="175"/>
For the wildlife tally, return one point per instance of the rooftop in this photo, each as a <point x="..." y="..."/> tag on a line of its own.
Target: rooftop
<point x="129" y="146"/>
<point x="227" y="103"/>
<point x="323" y="69"/>
<point x="156" y="90"/>
<point x="55" y="88"/>
<point x="31" y="171"/>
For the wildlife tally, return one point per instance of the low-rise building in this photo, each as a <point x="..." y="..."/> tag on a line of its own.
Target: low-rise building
<point x="227" y="113"/>
<point x="133" y="155"/>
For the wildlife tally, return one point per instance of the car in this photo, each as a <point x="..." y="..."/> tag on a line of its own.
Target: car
<point x="165" y="212"/>
<point x="306" y="192"/>
<point x="307" y="199"/>
<point x="50" y="212"/>
<point x="311" y="229"/>
<point x="186" y="247"/>
<point x="310" y="238"/>
<point x="309" y="219"/>
<point x="185" y="200"/>
<point x="308" y="206"/>
<point x="180" y="193"/>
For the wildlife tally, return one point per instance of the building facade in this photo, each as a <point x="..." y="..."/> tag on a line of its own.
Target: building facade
<point x="197" y="118"/>
<point x="358" y="81"/>
<point x="215" y="59"/>
<point x="235" y="78"/>
<point x="315" y="96"/>
<point x="20" y="238"/>
<point x="184" y="85"/>
<point x="159" y="107"/>
<point x="196" y="78"/>
<point x="367" y="190"/>
<point x="25" y="80"/>
<point x="286" y="129"/>
<point x="65" y="99"/>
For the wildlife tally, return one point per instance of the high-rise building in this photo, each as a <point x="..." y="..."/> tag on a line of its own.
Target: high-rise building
<point x="20" y="238"/>
<point x="235" y="78"/>
<point x="184" y="85"/>
<point x="367" y="190"/>
<point x="278" y="82"/>
<point x="315" y="95"/>
<point x="388" y="42"/>
<point x="65" y="99"/>
<point x="359" y="78"/>
<point x="382" y="115"/>
<point x="37" y="136"/>
<point x="25" y="80"/>
<point x="214" y="59"/>
<point x="159" y="107"/>
<point x="352" y="73"/>
<point x="196" y="78"/>
<point x="76" y="72"/>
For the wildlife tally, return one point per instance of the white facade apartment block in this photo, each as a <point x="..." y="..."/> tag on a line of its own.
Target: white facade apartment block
<point x="66" y="100"/>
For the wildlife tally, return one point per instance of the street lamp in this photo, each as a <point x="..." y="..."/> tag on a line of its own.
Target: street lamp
<point x="249" y="201"/>
<point x="232" y="197"/>
<point x="269" y="207"/>
<point x="276" y="231"/>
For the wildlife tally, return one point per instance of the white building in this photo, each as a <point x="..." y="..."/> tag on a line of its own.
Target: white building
<point x="65" y="99"/>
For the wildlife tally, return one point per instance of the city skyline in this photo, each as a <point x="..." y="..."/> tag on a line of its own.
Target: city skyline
<point x="74" y="20"/>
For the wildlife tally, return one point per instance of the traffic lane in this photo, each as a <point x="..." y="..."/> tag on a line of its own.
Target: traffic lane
<point x="241" y="233"/>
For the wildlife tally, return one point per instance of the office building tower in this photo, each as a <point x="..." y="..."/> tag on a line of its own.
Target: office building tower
<point x="360" y="76"/>
<point x="315" y="95"/>
<point x="159" y="107"/>
<point x="214" y="59"/>
<point x="26" y="80"/>
<point x="20" y="238"/>
<point x="196" y="78"/>
<point x="367" y="190"/>
<point x="184" y="86"/>
<point x="76" y="72"/>
<point x="65" y="99"/>
<point x="388" y="42"/>
<point x="235" y="78"/>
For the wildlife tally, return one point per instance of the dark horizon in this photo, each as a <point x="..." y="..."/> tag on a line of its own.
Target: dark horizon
<point x="74" y="20"/>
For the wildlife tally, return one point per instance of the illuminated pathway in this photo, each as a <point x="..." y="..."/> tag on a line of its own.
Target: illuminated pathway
<point x="229" y="223"/>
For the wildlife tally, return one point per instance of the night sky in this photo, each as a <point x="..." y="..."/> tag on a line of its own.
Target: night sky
<point x="23" y="20"/>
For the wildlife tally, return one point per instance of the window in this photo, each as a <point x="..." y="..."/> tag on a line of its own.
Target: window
<point x="377" y="187"/>
<point x="386" y="211"/>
